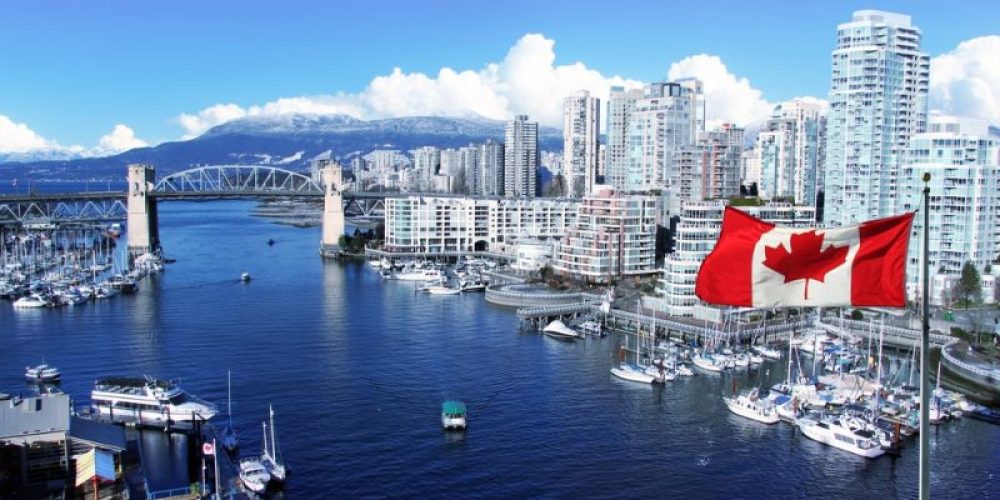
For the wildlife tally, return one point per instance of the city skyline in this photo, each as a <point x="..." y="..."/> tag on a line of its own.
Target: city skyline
<point x="166" y="84"/>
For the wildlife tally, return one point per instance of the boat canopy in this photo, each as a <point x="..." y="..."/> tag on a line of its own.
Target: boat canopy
<point x="453" y="408"/>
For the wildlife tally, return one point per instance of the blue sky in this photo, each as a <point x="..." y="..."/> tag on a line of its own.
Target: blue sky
<point x="73" y="70"/>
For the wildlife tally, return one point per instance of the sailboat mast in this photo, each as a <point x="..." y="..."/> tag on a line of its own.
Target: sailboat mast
<point x="274" y="449"/>
<point x="229" y="396"/>
<point x="264" y="426"/>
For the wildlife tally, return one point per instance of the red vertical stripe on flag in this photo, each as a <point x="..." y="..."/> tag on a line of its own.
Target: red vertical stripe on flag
<point x="726" y="275"/>
<point x="878" y="277"/>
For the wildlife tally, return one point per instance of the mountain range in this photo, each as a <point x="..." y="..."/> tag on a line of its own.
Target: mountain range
<point x="290" y="141"/>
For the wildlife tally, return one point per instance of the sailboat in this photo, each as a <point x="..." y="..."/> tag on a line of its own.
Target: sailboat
<point x="229" y="441"/>
<point x="269" y="457"/>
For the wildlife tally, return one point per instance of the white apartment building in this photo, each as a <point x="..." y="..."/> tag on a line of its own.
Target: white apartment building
<point x="616" y="153"/>
<point x="708" y="169"/>
<point x="962" y="156"/>
<point x="789" y="152"/>
<point x="581" y="129"/>
<point x="469" y="157"/>
<point x="614" y="237"/>
<point x="695" y="237"/>
<point x="426" y="161"/>
<point x="447" y="224"/>
<point x="878" y="100"/>
<point x="669" y="115"/>
<point x="520" y="157"/>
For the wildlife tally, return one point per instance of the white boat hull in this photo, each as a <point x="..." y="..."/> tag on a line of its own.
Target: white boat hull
<point x="632" y="375"/>
<point x="820" y="435"/>
<point x="762" y="415"/>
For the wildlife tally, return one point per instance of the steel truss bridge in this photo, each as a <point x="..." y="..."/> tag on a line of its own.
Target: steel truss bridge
<point x="201" y="183"/>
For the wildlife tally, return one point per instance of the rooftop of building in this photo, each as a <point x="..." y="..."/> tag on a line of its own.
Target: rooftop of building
<point x="22" y="417"/>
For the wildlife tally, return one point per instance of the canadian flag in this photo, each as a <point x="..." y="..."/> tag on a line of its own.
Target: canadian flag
<point x="758" y="264"/>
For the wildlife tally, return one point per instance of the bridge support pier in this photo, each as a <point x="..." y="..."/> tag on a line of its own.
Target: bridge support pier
<point x="143" y="224"/>
<point x="333" y="211"/>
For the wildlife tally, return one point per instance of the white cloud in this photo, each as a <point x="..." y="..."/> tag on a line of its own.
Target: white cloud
<point x="19" y="138"/>
<point x="727" y="98"/>
<point x="121" y="138"/>
<point x="526" y="81"/>
<point x="966" y="81"/>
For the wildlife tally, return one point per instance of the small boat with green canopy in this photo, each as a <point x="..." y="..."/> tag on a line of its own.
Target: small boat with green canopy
<point x="453" y="415"/>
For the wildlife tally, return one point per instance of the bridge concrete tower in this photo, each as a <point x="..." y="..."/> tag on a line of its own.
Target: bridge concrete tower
<point x="143" y="223"/>
<point x="333" y="210"/>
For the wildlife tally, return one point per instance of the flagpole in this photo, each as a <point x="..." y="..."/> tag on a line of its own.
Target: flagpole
<point x="925" y="471"/>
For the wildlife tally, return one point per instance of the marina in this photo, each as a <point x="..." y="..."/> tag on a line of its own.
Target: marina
<point x="359" y="364"/>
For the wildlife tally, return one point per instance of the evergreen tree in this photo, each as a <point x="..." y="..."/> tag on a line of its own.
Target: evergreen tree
<point x="970" y="288"/>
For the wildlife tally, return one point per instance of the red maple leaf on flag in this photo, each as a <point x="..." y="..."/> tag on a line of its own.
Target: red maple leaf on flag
<point x="805" y="261"/>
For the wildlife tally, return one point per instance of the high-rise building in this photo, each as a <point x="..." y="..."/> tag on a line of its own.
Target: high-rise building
<point x="878" y="100"/>
<point x="451" y="166"/>
<point x="697" y="232"/>
<point x="789" y="152"/>
<point x="962" y="156"/>
<point x="426" y="161"/>
<point x="616" y="157"/>
<point x="709" y="169"/>
<point x="521" y="158"/>
<point x="669" y="115"/>
<point x="492" y="167"/>
<point x="469" y="157"/>
<point x="581" y="128"/>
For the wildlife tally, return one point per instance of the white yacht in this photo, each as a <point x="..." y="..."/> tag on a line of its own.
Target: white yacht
<point x="420" y="275"/>
<point x="835" y="433"/>
<point x="442" y="290"/>
<point x="590" y="327"/>
<point x="751" y="405"/>
<point x="632" y="373"/>
<point x="42" y="373"/>
<point x="767" y="352"/>
<point x="253" y="475"/>
<point x="32" y="301"/>
<point x="707" y="362"/>
<point x="453" y="415"/>
<point x="558" y="329"/>
<point x="147" y="400"/>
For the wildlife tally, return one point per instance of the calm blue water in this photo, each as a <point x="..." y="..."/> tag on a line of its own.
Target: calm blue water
<point x="357" y="368"/>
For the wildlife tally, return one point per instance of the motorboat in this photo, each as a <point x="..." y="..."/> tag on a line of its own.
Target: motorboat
<point x="473" y="287"/>
<point x="749" y="404"/>
<point x="124" y="283"/>
<point x="836" y="433"/>
<point x="269" y="456"/>
<point x="557" y="329"/>
<point x="375" y="263"/>
<point x="442" y="290"/>
<point x="253" y="475"/>
<point x="767" y="352"/>
<point x="454" y="415"/>
<point x="147" y="400"/>
<point x="32" y="301"/>
<point x="245" y="277"/>
<point x="683" y="370"/>
<point x="42" y="373"/>
<point x="420" y="275"/>
<point x="590" y="328"/>
<point x="632" y="373"/>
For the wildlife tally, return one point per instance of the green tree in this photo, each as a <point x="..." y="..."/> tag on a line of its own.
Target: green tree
<point x="970" y="288"/>
<point x="546" y="272"/>
<point x="857" y="315"/>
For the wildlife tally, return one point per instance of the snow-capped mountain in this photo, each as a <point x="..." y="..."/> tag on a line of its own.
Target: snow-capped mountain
<point x="286" y="140"/>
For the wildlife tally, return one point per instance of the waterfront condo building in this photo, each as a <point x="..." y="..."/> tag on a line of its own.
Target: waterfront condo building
<point x="962" y="156"/>
<point x="710" y="168"/>
<point x="581" y="128"/>
<point x="614" y="236"/>
<point x="616" y="153"/>
<point x="669" y="115"/>
<point x="521" y="158"/>
<point x="450" y="224"/>
<point x="696" y="234"/>
<point x="878" y="100"/>
<point x="788" y="153"/>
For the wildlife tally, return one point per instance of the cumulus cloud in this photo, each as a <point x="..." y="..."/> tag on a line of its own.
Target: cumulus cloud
<point x="966" y="81"/>
<point x="19" y="138"/>
<point x="727" y="97"/>
<point x="121" y="138"/>
<point x="526" y="81"/>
